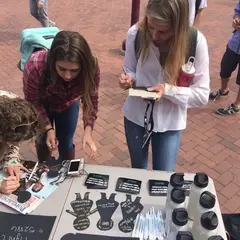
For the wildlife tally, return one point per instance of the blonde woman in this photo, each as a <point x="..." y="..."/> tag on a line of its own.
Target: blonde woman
<point x="164" y="45"/>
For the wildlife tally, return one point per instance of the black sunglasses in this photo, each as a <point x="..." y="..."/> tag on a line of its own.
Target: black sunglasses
<point x="24" y="127"/>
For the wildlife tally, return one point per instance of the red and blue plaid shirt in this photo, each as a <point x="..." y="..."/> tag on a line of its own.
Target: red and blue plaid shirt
<point x="57" y="97"/>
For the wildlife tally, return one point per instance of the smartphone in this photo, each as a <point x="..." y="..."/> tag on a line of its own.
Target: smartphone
<point x="75" y="166"/>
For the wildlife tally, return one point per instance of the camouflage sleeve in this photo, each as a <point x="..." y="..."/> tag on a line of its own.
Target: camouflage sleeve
<point x="12" y="158"/>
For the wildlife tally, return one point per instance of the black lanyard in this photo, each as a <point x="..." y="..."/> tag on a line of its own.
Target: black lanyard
<point x="148" y="123"/>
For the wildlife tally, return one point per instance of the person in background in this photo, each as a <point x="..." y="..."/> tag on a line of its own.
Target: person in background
<point x="39" y="10"/>
<point x="229" y="63"/>
<point x="196" y="10"/>
<point x="19" y="122"/>
<point x="55" y="82"/>
<point x="164" y="45"/>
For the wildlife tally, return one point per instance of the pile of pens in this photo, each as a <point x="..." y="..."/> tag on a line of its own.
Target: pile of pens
<point x="149" y="226"/>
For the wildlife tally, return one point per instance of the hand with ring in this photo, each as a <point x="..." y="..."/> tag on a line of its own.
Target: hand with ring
<point x="51" y="140"/>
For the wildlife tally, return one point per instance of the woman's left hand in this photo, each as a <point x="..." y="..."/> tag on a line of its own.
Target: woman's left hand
<point x="87" y="139"/>
<point x="15" y="170"/>
<point x="160" y="89"/>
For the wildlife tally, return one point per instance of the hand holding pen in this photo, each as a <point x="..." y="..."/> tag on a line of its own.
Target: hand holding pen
<point x="125" y="81"/>
<point x="9" y="184"/>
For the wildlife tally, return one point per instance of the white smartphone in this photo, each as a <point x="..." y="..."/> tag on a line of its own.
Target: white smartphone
<point x="75" y="166"/>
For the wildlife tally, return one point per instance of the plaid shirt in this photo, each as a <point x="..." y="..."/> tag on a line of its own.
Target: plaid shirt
<point x="57" y="97"/>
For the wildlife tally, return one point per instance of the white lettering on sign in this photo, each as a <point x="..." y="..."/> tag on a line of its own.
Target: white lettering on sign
<point x="9" y="237"/>
<point x="21" y="229"/>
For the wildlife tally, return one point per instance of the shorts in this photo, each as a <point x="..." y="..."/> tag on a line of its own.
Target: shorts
<point x="229" y="63"/>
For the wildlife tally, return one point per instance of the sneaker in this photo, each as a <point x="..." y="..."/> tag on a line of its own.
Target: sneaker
<point x="230" y="110"/>
<point x="122" y="52"/>
<point x="217" y="94"/>
<point x="51" y="23"/>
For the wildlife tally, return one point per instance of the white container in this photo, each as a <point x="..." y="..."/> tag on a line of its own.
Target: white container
<point x="177" y="200"/>
<point x="184" y="236"/>
<point x="176" y="181"/>
<point x="206" y="203"/>
<point x="207" y="228"/>
<point x="199" y="185"/>
<point x="179" y="223"/>
<point x="216" y="237"/>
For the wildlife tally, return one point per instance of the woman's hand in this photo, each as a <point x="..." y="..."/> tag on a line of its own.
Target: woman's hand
<point x="51" y="140"/>
<point x="40" y="4"/>
<point x="15" y="170"/>
<point x="125" y="81"/>
<point x="159" y="89"/>
<point x="87" y="139"/>
<point x="9" y="185"/>
<point x="236" y="23"/>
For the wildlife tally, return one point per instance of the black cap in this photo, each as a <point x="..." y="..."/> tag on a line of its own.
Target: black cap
<point x="209" y="220"/>
<point x="178" y="195"/>
<point x="216" y="238"/>
<point x="207" y="200"/>
<point x="184" y="235"/>
<point x="177" y="179"/>
<point x="180" y="216"/>
<point x="201" y="180"/>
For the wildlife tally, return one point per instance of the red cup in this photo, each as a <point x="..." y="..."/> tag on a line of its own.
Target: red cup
<point x="187" y="73"/>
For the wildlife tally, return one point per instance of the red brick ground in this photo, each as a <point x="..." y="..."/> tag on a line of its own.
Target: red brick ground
<point x="211" y="143"/>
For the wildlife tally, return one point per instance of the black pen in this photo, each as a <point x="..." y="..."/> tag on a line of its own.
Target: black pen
<point x="131" y="85"/>
<point x="124" y="70"/>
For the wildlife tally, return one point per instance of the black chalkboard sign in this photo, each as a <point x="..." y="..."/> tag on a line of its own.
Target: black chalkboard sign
<point x="160" y="187"/>
<point x="127" y="185"/>
<point x="130" y="210"/>
<point x="81" y="210"/>
<point x="25" y="227"/>
<point x="77" y="236"/>
<point x="106" y="208"/>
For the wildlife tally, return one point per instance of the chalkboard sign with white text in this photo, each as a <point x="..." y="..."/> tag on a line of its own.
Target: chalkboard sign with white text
<point x="25" y="227"/>
<point x="77" y="236"/>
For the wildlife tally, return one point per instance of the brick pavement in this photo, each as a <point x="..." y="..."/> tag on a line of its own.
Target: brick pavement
<point x="211" y="143"/>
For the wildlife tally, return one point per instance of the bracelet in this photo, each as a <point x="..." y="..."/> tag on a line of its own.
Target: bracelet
<point x="49" y="129"/>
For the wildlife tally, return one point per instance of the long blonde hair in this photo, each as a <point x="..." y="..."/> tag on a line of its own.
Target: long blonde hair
<point x="176" y="14"/>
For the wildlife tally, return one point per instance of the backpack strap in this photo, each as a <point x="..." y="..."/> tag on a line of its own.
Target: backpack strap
<point x="46" y="80"/>
<point x="192" y="43"/>
<point x="137" y="45"/>
<point x="197" y="6"/>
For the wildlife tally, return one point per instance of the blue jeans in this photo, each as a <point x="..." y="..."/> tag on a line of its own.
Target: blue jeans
<point x="65" y="126"/>
<point x="40" y="13"/>
<point x="165" y="146"/>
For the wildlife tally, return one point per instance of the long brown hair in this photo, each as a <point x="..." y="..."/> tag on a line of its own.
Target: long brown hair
<point x="72" y="46"/>
<point x="18" y="118"/>
<point x="176" y="14"/>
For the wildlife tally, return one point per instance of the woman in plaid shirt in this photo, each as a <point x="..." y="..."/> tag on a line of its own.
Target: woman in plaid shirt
<point x="55" y="82"/>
